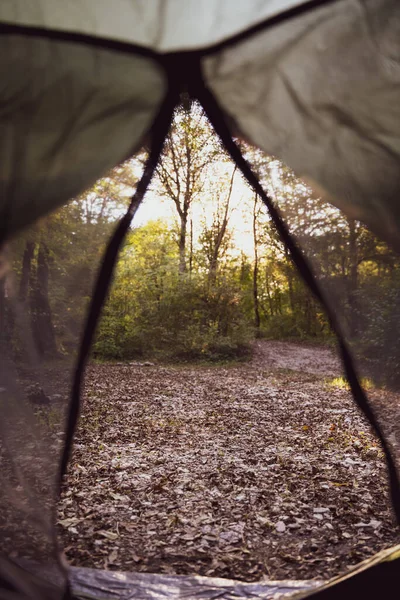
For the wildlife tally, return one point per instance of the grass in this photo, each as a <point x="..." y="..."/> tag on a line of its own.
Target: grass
<point x="342" y="383"/>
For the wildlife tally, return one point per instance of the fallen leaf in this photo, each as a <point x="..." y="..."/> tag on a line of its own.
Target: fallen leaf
<point x="110" y="535"/>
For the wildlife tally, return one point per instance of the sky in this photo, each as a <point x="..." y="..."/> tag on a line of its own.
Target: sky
<point x="240" y="220"/>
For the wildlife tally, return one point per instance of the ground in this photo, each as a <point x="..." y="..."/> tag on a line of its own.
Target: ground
<point x="263" y="469"/>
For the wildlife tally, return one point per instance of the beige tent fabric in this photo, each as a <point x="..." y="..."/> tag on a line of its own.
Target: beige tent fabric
<point x="159" y="25"/>
<point x="321" y="92"/>
<point x="68" y="113"/>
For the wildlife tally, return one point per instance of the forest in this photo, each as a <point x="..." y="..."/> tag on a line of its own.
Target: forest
<point x="217" y="435"/>
<point x="204" y="272"/>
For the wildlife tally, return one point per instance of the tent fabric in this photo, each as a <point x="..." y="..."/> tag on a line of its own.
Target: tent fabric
<point x="375" y="577"/>
<point x="319" y="90"/>
<point x="311" y="90"/>
<point x="29" y="458"/>
<point x="179" y="25"/>
<point x="30" y="582"/>
<point x="95" y="584"/>
<point x="68" y="114"/>
<point x="321" y="93"/>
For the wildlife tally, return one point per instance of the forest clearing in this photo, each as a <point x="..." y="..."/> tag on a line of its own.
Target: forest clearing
<point x="251" y="470"/>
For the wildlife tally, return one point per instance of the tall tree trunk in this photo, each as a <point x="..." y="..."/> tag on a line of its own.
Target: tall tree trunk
<point x="289" y="277"/>
<point x="278" y="301"/>
<point x="268" y="290"/>
<point x="6" y="316"/>
<point x="42" y="322"/>
<point x="290" y="289"/>
<point x="309" y="314"/>
<point x="257" y="320"/>
<point x="212" y="273"/>
<point x="352" y="280"/>
<point x="26" y="270"/>
<point x="353" y="250"/>
<point x="182" y="243"/>
<point x="2" y="310"/>
<point x="243" y="264"/>
<point x="191" y="247"/>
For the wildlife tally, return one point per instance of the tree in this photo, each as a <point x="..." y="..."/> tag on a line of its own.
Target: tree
<point x="189" y="151"/>
<point x="26" y="269"/>
<point x="41" y="314"/>
<point x="56" y="260"/>
<point x="215" y="238"/>
<point x="257" y="318"/>
<point x="4" y="268"/>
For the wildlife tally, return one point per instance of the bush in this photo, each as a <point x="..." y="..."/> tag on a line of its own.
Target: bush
<point x="377" y="341"/>
<point x="189" y="320"/>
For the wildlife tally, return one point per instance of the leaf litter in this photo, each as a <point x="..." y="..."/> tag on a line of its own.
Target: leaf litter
<point x="248" y="471"/>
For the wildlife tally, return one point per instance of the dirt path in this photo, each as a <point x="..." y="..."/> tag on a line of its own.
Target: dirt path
<point x="300" y="358"/>
<point x="248" y="472"/>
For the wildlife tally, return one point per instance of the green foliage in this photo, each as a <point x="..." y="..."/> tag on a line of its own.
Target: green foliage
<point x="377" y="339"/>
<point x="55" y="263"/>
<point x="166" y="313"/>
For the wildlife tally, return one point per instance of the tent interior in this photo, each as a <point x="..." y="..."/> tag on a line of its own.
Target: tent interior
<point x="87" y="88"/>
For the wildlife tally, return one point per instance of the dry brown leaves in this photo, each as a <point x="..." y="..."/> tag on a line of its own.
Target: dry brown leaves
<point x="243" y="472"/>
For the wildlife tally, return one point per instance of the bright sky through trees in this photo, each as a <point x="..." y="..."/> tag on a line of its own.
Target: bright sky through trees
<point x="240" y="219"/>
